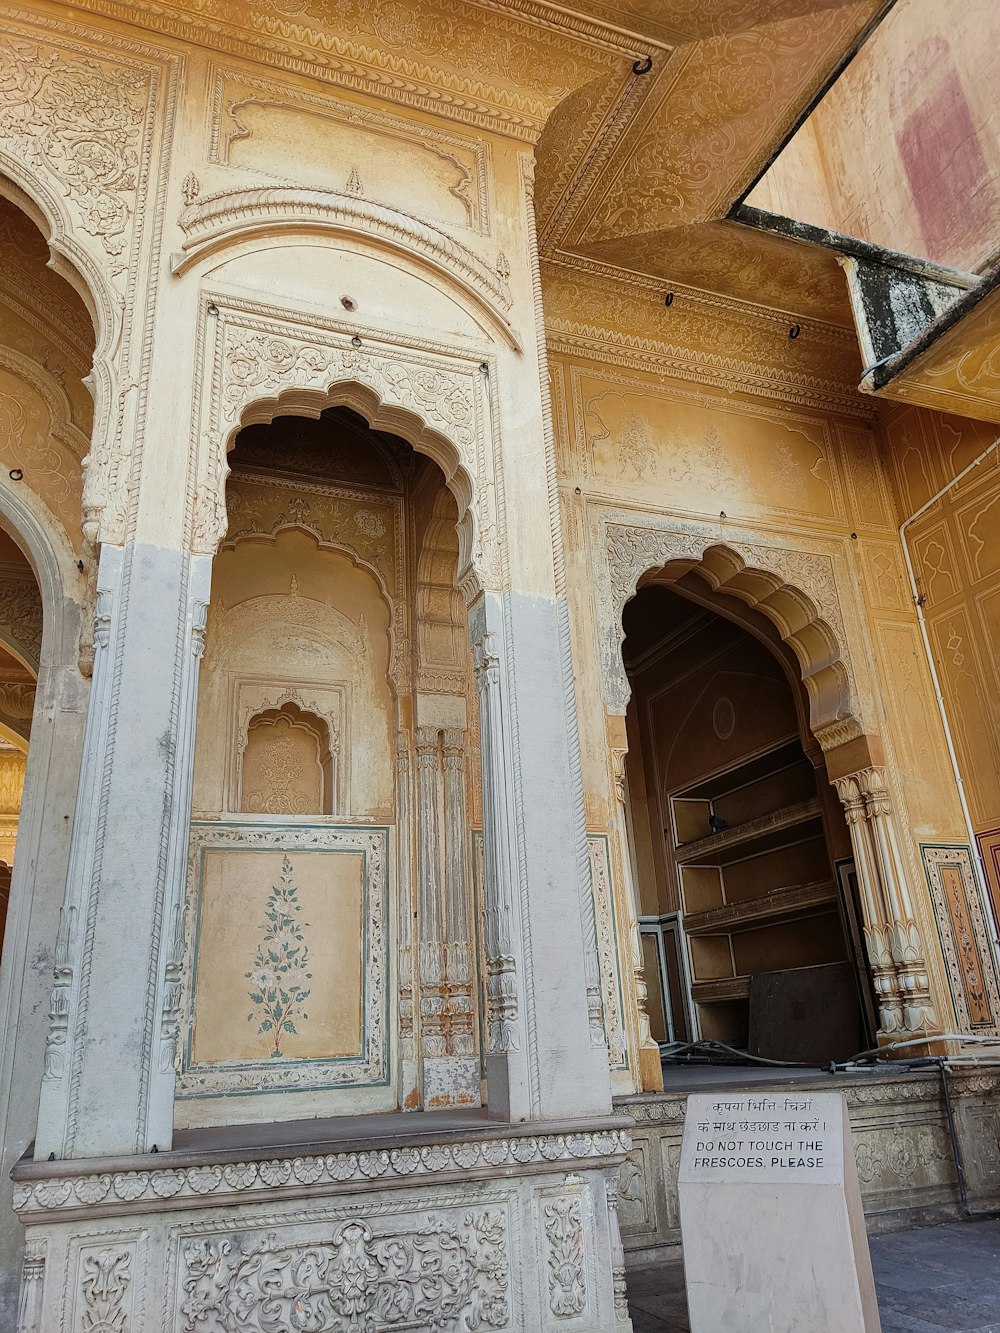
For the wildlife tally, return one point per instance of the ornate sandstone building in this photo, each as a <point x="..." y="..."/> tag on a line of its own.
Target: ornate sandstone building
<point x="499" y="572"/>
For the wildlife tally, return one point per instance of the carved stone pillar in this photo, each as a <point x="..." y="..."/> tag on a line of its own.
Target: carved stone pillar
<point x="650" y="1065"/>
<point x="459" y="949"/>
<point x="409" y="1090"/>
<point x="892" y="937"/>
<point x="116" y="992"/>
<point x="433" y="1043"/>
<point x="449" y="1069"/>
<point x="541" y="1058"/>
<point x="29" y="1310"/>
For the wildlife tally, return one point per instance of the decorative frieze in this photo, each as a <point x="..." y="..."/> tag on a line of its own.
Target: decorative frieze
<point x="374" y="1168"/>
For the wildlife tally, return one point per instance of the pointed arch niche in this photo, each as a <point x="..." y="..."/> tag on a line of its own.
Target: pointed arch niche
<point x="330" y="945"/>
<point x="733" y="708"/>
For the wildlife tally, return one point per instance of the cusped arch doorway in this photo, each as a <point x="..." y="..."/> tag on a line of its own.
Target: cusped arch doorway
<point x="741" y="855"/>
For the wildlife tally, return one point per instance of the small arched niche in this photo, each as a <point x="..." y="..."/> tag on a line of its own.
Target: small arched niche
<point x="288" y="764"/>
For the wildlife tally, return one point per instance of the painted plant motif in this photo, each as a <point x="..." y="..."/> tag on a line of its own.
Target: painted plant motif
<point x="280" y="966"/>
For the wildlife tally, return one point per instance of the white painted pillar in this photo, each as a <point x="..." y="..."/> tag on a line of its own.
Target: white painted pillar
<point x="109" y="1060"/>
<point x="543" y="1059"/>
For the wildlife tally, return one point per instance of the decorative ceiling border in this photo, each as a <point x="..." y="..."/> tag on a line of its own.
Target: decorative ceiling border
<point x="568" y="338"/>
<point x="697" y="297"/>
<point x="410" y="82"/>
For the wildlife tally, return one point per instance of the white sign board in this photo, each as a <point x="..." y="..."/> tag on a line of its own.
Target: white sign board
<point x="771" y="1218"/>
<point x="777" y="1137"/>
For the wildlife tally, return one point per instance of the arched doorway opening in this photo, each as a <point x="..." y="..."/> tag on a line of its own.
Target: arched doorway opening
<point x="741" y="855"/>
<point x="332" y="951"/>
<point x="20" y="641"/>
<point x="47" y="348"/>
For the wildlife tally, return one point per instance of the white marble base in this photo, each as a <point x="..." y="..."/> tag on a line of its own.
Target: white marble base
<point x="771" y="1216"/>
<point x="494" y="1229"/>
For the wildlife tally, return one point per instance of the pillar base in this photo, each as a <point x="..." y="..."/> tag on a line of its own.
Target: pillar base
<point x="463" y="1225"/>
<point x="650" y="1069"/>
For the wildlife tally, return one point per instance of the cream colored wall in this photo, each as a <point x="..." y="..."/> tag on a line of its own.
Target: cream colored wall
<point x="285" y="614"/>
<point x="638" y="446"/>
<point x="904" y="150"/>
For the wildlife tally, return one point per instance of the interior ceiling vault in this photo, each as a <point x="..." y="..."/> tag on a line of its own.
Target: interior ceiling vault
<point x="631" y="167"/>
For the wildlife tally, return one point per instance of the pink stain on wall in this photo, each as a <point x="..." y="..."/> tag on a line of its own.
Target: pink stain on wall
<point x="941" y="153"/>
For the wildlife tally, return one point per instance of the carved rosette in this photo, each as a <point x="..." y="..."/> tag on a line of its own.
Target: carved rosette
<point x="895" y="948"/>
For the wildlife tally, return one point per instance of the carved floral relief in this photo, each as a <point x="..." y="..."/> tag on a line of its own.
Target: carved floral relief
<point x="436" y="1272"/>
<point x="81" y="121"/>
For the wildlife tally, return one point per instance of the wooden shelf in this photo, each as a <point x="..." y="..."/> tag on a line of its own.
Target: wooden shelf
<point x="789" y="904"/>
<point x="755" y="766"/>
<point x="755" y="835"/>
<point x="725" y="988"/>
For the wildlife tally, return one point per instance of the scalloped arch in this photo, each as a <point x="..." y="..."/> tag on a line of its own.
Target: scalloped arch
<point x="381" y="416"/>
<point x="803" y="625"/>
<point x="70" y="259"/>
<point x="73" y="262"/>
<point x="332" y="544"/>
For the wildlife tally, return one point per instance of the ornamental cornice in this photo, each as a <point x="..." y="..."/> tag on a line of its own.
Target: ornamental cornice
<point x="60" y="1192"/>
<point x="567" y="338"/>
<point x="558" y="52"/>
<point x="573" y="264"/>
<point x="234" y="215"/>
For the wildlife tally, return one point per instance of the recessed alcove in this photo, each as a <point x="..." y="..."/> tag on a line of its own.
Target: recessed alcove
<point x="741" y="852"/>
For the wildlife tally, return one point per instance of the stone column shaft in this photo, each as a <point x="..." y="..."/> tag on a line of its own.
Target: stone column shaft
<point x="541" y="1058"/>
<point x="432" y="980"/>
<point x="409" y="1093"/>
<point x="116" y="995"/>
<point x="892" y="937"/>
<point x="461" y="1018"/>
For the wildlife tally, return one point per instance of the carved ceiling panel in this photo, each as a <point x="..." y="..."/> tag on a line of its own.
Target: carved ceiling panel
<point x="650" y="116"/>
<point x="741" y="262"/>
<point x="721" y="108"/>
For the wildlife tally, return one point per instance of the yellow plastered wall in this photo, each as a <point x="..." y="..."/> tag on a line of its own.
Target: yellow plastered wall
<point x="955" y="551"/>
<point x="639" y="446"/>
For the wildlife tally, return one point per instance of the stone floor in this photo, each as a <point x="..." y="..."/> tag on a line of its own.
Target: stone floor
<point x="943" y="1279"/>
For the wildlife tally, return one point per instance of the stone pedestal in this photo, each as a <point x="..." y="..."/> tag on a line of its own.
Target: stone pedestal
<point x="771" y="1216"/>
<point x="472" y="1226"/>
